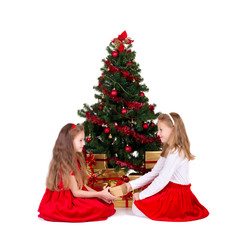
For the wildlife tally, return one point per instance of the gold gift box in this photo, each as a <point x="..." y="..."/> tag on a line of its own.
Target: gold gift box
<point x="123" y="203"/>
<point x="101" y="161"/>
<point x="108" y="176"/>
<point x="119" y="203"/>
<point x="110" y="173"/>
<point x="134" y="177"/>
<point x="118" y="191"/>
<point x="151" y="157"/>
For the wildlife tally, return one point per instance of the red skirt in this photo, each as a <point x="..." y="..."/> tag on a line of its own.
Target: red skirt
<point x="64" y="207"/>
<point x="174" y="203"/>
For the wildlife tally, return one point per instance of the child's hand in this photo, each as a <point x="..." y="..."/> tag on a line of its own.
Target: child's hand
<point x="128" y="185"/>
<point x="106" y="196"/>
<point x="136" y="196"/>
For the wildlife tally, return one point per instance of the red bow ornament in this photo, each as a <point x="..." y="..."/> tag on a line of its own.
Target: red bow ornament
<point x="121" y="40"/>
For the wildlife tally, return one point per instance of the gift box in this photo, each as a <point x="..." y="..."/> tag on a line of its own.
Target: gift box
<point x="126" y="200"/>
<point x="151" y="157"/>
<point x="122" y="203"/>
<point x="134" y="177"/>
<point x="118" y="191"/>
<point x="101" y="161"/>
<point x="111" y="174"/>
<point x="105" y="176"/>
<point x="108" y="177"/>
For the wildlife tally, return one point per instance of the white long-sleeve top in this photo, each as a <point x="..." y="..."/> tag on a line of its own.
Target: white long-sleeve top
<point x="173" y="168"/>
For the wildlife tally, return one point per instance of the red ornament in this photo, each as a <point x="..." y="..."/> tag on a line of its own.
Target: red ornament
<point x="128" y="149"/>
<point x="115" y="54"/>
<point x="141" y="94"/>
<point x="114" y="93"/>
<point x="100" y="108"/>
<point x="124" y="111"/>
<point x="145" y="126"/>
<point x="129" y="64"/>
<point x="88" y="139"/>
<point x="152" y="124"/>
<point x="107" y="130"/>
<point x="151" y="107"/>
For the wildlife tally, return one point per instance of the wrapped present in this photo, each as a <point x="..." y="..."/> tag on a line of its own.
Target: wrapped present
<point x="100" y="177"/>
<point x="101" y="161"/>
<point x="122" y="203"/>
<point x="118" y="191"/>
<point x="151" y="157"/>
<point x="134" y="176"/>
<point x="108" y="176"/>
<point x="110" y="173"/>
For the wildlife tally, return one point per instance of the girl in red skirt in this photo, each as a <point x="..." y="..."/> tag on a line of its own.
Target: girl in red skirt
<point x="169" y="197"/>
<point x="67" y="197"/>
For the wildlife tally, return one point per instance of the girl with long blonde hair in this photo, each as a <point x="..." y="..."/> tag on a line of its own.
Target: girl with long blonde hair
<point x="169" y="197"/>
<point x="67" y="197"/>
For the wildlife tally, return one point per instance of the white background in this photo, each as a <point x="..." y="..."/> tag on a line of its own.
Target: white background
<point x="50" y="59"/>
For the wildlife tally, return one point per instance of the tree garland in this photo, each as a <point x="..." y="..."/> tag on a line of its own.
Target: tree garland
<point x="126" y="130"/>
<point x="130" y="105"/>
<point x="125" y="73"/>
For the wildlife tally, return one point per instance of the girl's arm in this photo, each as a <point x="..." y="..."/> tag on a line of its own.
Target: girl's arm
<point x="104" y="194"/>
<point x="148" y="177"/>
<point x="73" y="186"/>
<point x="171" y="164"/>
<point x="89" y="189"/>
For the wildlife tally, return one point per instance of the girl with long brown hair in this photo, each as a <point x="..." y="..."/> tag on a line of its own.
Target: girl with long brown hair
<point x="169" y="197"/>
<point x="67" y="197"/>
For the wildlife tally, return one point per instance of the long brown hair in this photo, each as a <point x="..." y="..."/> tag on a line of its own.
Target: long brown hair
<point x="64" y="160"/>
<point x="178" y="139"/>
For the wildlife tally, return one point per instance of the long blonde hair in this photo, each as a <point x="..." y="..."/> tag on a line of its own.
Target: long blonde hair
<point x="178" y="139"/>
<point x="64" y="160"/>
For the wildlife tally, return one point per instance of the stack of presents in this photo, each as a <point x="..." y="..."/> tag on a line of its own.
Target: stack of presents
<point x="102" y="176"/>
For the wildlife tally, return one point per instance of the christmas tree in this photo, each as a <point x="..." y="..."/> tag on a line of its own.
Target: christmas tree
<point x="121" y="123"/>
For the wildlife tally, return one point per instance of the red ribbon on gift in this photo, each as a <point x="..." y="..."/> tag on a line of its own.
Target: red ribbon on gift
<point x="150" y="161"/>
<point x="129" y="195"/>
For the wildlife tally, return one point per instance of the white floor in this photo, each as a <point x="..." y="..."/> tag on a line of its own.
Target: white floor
<point x="123" y="225"/>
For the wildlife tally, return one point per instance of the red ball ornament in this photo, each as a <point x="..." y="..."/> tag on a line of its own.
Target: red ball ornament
<point x="114" y="93"/>
<point x="107" y="130"/>
<point x="124" y="111"/>
<point x="141" y="94"/>
<point x="152" y="124"/>
<point x="129" y="64"/>
<point x="145" y="126"/>
<point x="115" y="54"/>
<point x="151" y="107"/>
<point x="88" y="139"/>
<point x="100" y="108"/>
<point x="128" y="149"/>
